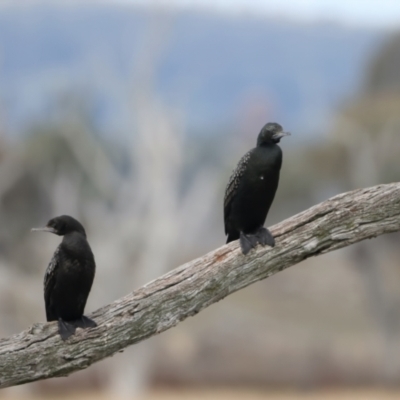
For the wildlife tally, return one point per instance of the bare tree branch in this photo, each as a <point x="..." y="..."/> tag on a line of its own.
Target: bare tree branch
<point x="39" y="353"/>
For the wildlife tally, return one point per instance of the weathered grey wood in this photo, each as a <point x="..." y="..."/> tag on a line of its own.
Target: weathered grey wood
<point x="38" y="352"/>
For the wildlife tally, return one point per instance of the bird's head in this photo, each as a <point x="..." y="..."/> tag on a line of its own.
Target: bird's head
<point x="63" y="225"/>
<point x="271" y="133"/>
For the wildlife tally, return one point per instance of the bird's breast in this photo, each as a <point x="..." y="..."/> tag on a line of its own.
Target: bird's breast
<point x="262" y="174"/>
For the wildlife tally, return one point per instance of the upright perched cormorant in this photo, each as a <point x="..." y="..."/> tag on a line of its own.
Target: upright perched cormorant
<point x="251" y="190"/>
<point x="69" y="276"/>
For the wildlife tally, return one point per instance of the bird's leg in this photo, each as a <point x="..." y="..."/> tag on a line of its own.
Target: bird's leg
<point x="65" y="329"/>
<point x="247" y="242"/>
<point x="264" y="237"/>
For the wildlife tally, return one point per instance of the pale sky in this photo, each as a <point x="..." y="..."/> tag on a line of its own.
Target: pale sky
<point x="377" y="13"/>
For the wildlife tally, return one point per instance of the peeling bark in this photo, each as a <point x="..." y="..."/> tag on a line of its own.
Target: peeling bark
<point x="39" y="353"/>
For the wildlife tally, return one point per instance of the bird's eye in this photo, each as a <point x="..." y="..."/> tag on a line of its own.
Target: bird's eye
<point x="57" y="226"/>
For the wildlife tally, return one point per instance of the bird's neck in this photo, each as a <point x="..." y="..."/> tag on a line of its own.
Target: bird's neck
<point x="267" y="145"/>
<point x="75" y="243"/>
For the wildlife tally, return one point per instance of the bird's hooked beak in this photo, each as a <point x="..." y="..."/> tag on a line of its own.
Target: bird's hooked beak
<point x="280" y="135"/>
<point x="44" y="229"/>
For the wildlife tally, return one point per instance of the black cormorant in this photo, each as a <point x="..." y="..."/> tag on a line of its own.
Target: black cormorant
<point x="251" y="190"/>
<point x="69" y="276"/>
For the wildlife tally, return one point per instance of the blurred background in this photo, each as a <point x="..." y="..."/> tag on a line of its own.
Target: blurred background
<point x="131" y="115"/>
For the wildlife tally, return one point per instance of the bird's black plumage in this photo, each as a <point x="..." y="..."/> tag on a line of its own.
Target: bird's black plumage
<point x="69" y="276"/>
<point x="251" y="190"/>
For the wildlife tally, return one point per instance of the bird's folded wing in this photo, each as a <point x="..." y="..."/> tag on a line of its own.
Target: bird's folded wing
<point x="233" y="184"/>
<point x="49" y="283"/>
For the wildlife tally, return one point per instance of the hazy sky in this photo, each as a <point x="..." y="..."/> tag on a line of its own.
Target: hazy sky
<point x="382" y="13"/>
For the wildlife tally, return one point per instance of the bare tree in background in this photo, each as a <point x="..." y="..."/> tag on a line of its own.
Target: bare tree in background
<point x="139" y="217"/>
<point x="154" y="219"/>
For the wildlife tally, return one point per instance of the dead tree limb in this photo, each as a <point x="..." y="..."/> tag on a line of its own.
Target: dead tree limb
<point x="38" y="353"/>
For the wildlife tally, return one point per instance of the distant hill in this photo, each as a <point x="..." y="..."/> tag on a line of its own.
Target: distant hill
<point x="212" y="66"/>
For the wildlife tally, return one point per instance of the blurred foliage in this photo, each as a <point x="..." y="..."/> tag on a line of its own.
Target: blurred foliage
<point x="382" y="75"/>
<point x="369" y="125"/>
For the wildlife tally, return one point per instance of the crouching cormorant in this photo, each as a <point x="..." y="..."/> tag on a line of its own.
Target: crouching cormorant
<point x="251" y="190"/>
<point x="69" y="276"/>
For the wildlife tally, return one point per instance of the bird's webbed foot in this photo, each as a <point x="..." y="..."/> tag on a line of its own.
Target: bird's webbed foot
<point x="264" y="237"/>
<point x="85" y="322"/>
<point x="249" y="241"/>
<point x="65" y="329"/>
